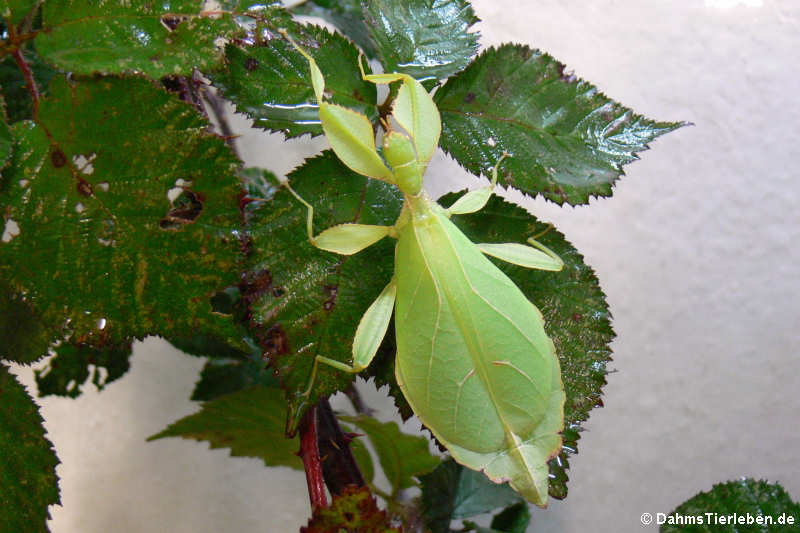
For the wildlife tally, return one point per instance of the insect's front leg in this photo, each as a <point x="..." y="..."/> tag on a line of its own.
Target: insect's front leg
<point x="344" y="239"/>
<point x="473" y="201"/>
<point x="369" y="335"/>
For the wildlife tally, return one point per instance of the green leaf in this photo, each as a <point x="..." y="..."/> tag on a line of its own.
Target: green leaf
<point x="6" y="142"/>
<point x="304" y="301"/>
<point x="427" y="39"/>
<point x="575" y="313"/>
<point x="18" y="99"/>
<point x="23" y="337"/>
<point x="271" y="82"/>
<point x="28" y="475"/>
<point x="513" y="519"/>
<point x="363" y="459"/>
<point x="15" y="10"/>
<point x="127" y="215"/>
<point x="224" y="376"/>
<point x="154" y="38"/>
<point x="69" y="369"/>
<point x="250" y="422"/>
<point x="452" y="491"/>
<point x="347" y="15"/>
<point x="354" y="510"/>
<point x="403" y="457"/>
<point x="568" y="141"/>
<point x="744" y="497"/>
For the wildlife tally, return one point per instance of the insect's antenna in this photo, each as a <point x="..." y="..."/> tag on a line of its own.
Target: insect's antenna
<point x="545" y="231"/>
<point x="496" y="166"/>
<point x="309" y="214"/>
<point x="317" y="79"/>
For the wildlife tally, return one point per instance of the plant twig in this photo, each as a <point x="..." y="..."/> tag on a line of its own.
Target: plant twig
<point x="309" y="453"/>
<point x="338" y="464"/>
<point x="30" y="82"/>
<point x="217" y="106"/>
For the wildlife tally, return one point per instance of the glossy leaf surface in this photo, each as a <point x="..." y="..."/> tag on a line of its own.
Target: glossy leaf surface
<point x="304" y="301"/>
<point x="155" y="38"/>
<point x="250" y="422"/>
<point x="27" y="477"/>
<point x="126" y="208"/>
<point x="403" y="457"/>
<point x="427" y="39"/>
<point x="271" y="83"/>
<point x="568" y="140"/>
<point x="346" y="15"/>
<point x="742" y="497"/>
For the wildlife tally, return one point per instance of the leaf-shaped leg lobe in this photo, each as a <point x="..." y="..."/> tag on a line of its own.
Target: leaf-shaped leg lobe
<point x="473" y="358"/>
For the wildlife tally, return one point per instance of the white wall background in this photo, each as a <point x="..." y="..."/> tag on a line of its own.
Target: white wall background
<point x="696" y="251"/>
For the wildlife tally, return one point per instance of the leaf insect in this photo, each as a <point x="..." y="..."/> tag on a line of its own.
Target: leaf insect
<point x="473" y="359"/>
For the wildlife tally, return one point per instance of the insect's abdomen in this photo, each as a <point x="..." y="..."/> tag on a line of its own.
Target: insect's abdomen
<point x="473" y="358"/>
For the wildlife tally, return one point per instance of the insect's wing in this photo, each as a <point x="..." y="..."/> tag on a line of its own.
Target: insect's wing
<point x="473" y="358"/>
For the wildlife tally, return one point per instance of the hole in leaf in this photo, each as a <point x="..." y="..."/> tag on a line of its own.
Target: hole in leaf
<point x="185" y="209"/>
<point x="84" y="163"/>
<point x="80" y="208"/>
<point x="103" y="186"/>
<point x="10" y="231"/>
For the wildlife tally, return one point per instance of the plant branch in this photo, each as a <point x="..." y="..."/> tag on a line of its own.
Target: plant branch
<point x="217" y="106"/>
<point x="309" y="453"/>
<point x="338" y="464"/>
<point x="30" y="82"/>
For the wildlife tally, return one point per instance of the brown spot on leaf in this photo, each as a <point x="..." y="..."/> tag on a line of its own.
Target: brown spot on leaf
<point x="274" y="341"/>
<point x="58" y="158"/>
<point x="254" y="285"/>
<point x="171" y="21"/>
<point x="332" y="291"/>
<point x="469" y="98"/>
<point x="84" y="188"/>
<point x="250" y="64"/>
<point x="277" y="292"/>
<point x="577" y="317"/>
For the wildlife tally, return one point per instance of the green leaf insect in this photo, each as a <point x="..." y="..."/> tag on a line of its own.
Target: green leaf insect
<point x="473" y="358"/>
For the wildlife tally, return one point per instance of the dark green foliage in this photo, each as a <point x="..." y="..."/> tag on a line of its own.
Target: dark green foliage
<point x="250" y="422"/>
<point x="403" y="457"/>
<point x="25" y="337"/>
<point x="347" y="15"/>
<point x="305" y="301"/>
<point x="70" y="368"/>
<point x="27" y="475"/>
<point x="742" y="497"/>
<point x="270" y="81"/>
<point x="568" y="141"/>
<point x="18" y="101"/>
<point x="452" y="491"/>
<point x="428" y="39"/>
<point x="155" y="38"/>
<point x="126" y="210"/>
<point x="223" y="376"/>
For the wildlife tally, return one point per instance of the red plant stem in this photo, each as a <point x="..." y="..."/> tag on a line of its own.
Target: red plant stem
<point x="27" y="73"/>
<point x="309" y="452"/>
